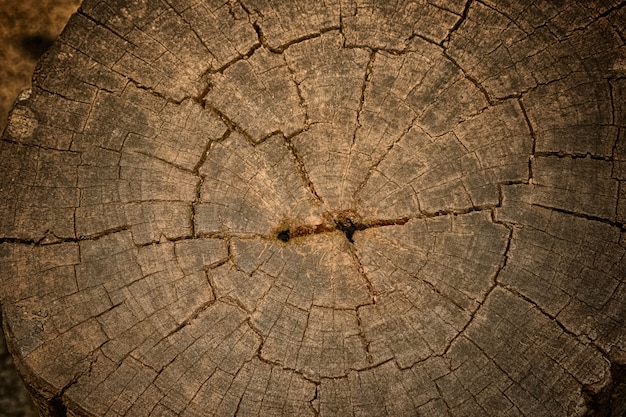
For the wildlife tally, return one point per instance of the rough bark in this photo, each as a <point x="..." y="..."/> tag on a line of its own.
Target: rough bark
<point x="264" y="207"/>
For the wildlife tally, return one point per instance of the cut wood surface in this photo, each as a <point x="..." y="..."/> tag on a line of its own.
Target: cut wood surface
<point x="324" y="208"/>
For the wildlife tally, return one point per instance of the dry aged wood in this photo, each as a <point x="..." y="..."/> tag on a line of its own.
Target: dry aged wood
<point x="321" y="208"/>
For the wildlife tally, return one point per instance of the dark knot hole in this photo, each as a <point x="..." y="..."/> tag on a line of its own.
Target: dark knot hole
<point x="347" y="227"/>
<point x="284" y="235"/>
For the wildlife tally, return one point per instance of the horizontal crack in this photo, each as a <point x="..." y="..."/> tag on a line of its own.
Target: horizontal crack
<point x="619" y="225"/>
<point x="457" y="212"/>
<point x="341" y="222"/>
<point x="60" y="240"/>
<point x="573" y="155"/>
<point x="282" y="48"/>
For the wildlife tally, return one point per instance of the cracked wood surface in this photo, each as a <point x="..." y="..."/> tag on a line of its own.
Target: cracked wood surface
<point x="353" y="208"/>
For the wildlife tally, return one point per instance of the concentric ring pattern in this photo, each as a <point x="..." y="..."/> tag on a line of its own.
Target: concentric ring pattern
<point x="265" y="207"/>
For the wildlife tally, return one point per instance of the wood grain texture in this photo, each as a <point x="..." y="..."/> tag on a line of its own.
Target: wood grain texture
<point x="273" y="208"/>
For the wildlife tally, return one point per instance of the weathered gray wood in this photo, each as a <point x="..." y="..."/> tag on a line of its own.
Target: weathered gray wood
<point x="264" y="207"/>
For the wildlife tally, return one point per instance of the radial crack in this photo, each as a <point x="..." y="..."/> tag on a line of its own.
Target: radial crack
<point x="533" y="135"/>
<point x="471" y="79"/>
<point x="444" y="43"/>
<point x="495" y="283"/>
<point x="302" y="169"/>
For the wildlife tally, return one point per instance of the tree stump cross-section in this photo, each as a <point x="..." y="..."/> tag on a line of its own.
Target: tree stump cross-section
<point x="339" y="208"/>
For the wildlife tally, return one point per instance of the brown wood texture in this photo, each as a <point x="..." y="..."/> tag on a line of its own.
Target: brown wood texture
<point x="324" y="208"/>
